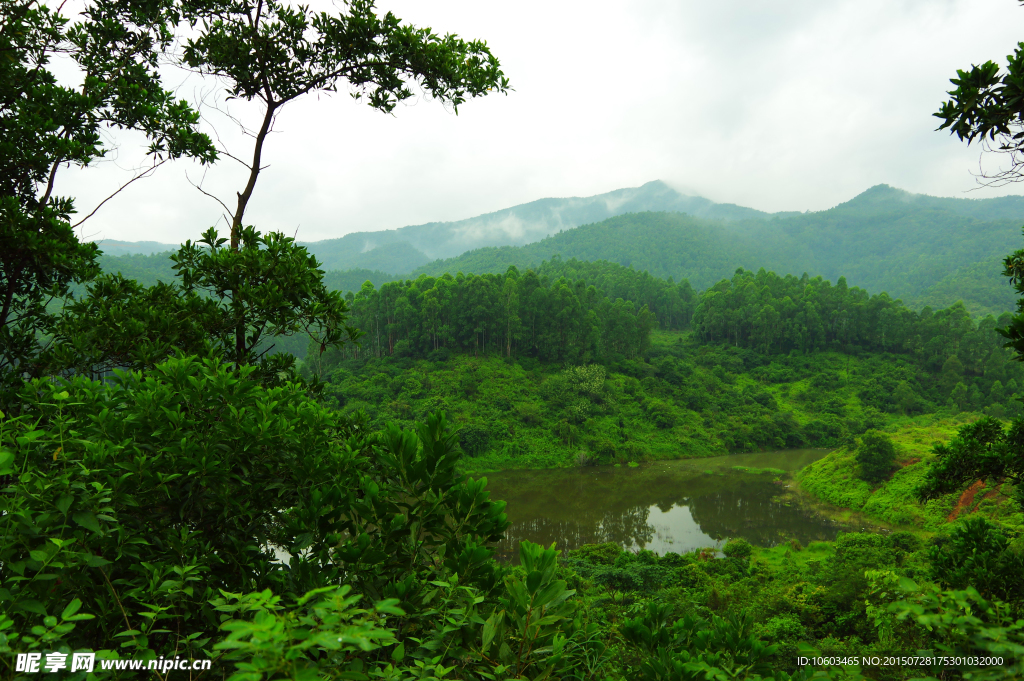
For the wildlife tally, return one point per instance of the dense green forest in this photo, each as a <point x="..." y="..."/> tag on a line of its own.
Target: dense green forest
<point x="571" y="363"/>
<point x="877" y="240"/>
<point x="677" y="392"/>
<point x="225" y="456"/>
<point x="924" y="250"/>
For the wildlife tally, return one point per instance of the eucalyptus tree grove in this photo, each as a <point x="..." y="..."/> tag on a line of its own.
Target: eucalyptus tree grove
<point x="512" y="314"/>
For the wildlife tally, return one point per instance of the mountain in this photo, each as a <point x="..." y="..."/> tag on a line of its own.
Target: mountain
<point x="885" y="199"/>
<point x="665" y="244"/>
<point x="516" y="226"/>
<point x="925" y="250"/>
<point x="114" y="247"/>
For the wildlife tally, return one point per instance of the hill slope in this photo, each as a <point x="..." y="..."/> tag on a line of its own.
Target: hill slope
<point x="515" y="226"/>
<point x="925" y="250"/>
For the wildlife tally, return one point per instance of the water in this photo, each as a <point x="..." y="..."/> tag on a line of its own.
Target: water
<point x="663" y="506"/>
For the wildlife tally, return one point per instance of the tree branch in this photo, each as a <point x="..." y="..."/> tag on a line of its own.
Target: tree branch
<point x="199" y="187"/>
<point x="254" y="171"/>
<point x="144" y="173"/>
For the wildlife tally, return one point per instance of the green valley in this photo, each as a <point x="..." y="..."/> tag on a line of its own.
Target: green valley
<point x="635" y="436"/>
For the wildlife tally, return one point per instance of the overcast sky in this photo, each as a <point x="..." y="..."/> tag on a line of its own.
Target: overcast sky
<point x="796" y="105"/>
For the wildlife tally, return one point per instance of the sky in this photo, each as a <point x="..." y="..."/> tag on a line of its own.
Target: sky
<point x="799" y="105"/>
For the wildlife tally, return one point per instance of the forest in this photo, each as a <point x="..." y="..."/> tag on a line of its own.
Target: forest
<point x="913" y="247"/>
<point x="229" y="455"/>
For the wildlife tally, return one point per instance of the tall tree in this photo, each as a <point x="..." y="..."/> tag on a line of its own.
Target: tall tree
<point x="46" y="125"/>
<point x="988" y="106"/>
<point x="273" y="53"/>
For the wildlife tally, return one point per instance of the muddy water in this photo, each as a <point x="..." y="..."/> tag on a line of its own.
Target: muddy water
<point x="663" y="506"/>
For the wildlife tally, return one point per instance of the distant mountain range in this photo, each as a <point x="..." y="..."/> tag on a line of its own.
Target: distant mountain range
<point x="114" y="247"/>
<point x="923" y="249"/>
<point x="926" y="250"/>
<point x="398" y="251"/>
<point x="395" y="250"/>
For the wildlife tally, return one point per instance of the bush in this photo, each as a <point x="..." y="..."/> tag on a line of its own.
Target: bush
<point x="738" y="548"/>
<point x="529" y="413"/>
<point x="634" y="451"/>
<point x="660" y="412"/>
<point x="474" y="439"/>
<point x="875" y="456"/>
<point x="977" y="554"/>
<point x="600" y="554"/>
<point x="143" y="497"/>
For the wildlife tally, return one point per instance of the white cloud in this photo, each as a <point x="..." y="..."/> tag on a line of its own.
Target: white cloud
<point x="778" y="106"/>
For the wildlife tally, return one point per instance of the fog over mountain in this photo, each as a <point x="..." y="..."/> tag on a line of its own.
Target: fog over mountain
<point x="402" y="250"/>
<point x="515" y="226"/>
<point x="926" y="250"/>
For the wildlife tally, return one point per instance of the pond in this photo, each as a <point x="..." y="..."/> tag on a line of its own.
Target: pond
<point x="662" y="506"/>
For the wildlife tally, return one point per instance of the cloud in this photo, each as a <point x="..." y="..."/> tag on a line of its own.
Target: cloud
<point x="778" y="106"/>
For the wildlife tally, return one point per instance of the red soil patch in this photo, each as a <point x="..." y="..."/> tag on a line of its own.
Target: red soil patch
<point x="965" y="501"/>
<point x="909" y="462"/>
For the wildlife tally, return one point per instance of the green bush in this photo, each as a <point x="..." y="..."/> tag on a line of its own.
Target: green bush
<point x="738" y="548"/>
<point x="146" y="497"/>
<point x="977" y="554"/>
<point x="876" y="455"/>
<point x="475" y="439"/>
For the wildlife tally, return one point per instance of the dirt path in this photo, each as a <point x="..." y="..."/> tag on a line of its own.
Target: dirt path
<point x="966" y="500"/>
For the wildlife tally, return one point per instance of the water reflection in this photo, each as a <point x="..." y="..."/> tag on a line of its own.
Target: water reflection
<point x="665" y="506"/>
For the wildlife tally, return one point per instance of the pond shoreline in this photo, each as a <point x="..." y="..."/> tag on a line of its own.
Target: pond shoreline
<point x="666" y="505"/>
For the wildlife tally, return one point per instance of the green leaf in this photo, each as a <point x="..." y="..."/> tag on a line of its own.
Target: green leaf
<point x="6" y="462"/>
<point x="398" y="654"/>
<point x="64" y="503"/>
<point x="553" y="592"/>
<point x="71" y="609"/>
<point x="491" y="628"/>
<point x="87" y="520"/>
<point x="533" y="581"/>
<point x="907" y="584"/>
<point x="97" y="561"/>
<point x="31" y="606"/>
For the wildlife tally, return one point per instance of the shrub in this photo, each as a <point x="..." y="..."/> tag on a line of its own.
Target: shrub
<point x="875" y="456"/>
<point x="474" y="439"/>
<point x="600" y="554"/>
<point x="145" y="496"/>
<point x="529" y="413"/>
<point x="661" y="413"/>
<point x="977" y="554"/>
<point x="634" y="451"/>
<point x="738" y="548"/>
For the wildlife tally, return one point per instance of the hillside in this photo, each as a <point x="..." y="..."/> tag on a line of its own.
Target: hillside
<point x="924" y="250"/>
<point x="515" y="226"/>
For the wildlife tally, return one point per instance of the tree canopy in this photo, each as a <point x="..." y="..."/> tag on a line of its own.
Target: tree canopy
<point x="45" y="124"/>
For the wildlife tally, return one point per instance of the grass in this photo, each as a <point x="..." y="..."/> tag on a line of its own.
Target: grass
<point x="834" y="479"/>
<point x="792" y="555"/>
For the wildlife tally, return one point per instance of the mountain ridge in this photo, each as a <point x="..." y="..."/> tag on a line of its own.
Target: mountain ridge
<point x="521" y="224"/>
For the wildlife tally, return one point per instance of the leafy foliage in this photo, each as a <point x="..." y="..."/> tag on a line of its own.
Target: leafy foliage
<point x="293" y="51"/>
<point x="45" y="124"/>
<point x="235" y="303"/>
<point x="977" y="554"/>
<point x="146" y="497"/>
<point x="875" y="456"/>
<point x="981" y="450"/>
